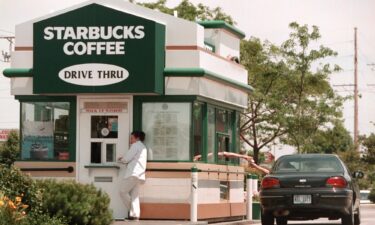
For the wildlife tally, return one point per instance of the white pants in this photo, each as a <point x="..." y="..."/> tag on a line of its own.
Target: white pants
<point x="129" y="192"/>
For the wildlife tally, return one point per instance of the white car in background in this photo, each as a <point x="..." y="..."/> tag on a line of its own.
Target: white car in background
<point x="364" y="196"/>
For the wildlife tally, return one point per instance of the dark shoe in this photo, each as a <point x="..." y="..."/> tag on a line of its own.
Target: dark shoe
<point x="133" y="218"/>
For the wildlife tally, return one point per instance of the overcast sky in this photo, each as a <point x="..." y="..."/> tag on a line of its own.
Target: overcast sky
<point x="265" y="19"/>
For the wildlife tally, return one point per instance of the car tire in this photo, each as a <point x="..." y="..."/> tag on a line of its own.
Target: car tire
<point x="267" y="219"/>
<point x="348" y="219"/>
<point x="357" y="217"/>
<point x="281" y="221"/>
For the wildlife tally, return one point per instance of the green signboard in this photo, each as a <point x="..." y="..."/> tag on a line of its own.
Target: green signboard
<point x="95" y="49"/>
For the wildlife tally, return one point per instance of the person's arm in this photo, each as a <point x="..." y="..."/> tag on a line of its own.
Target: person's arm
<point x="259" y="168"/>
<point x="128" y="155"/>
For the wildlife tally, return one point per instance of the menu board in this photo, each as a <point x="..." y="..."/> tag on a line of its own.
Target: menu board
<point x="167" y="128"/>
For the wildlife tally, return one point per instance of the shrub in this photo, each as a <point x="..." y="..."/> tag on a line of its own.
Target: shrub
<point x="12" y="211"/>
<point x="79" y="204"/>
<point x="15" y="184"/>
<point x="371" y="196"/>
<point x="43" y="219"/>
<point x="9" y="151"/>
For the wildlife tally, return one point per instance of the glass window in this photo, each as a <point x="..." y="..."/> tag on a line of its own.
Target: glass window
<point x="45" y="130"/>
<point x="211" y="134"/>
<point x="167" y="127"/>
<point x="96" y="152"/>
<point x="197" y="134"/>
<point x="104" y="126"/>
<point x="221" y="120"/>
<point x="111" y="153"/>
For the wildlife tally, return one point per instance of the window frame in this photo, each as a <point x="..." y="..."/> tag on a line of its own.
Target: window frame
<point x="206" y="103"/>
<point x="72" y="123"/>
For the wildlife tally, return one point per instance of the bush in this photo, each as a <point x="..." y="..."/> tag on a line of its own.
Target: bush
<point x="12" y="211"/>
<point x="43" y="219"/>
<point x="15" y="184"/>
<point x="79" y="204"/>
<point x="371" y="196"/>
<point x="9" y="151"/>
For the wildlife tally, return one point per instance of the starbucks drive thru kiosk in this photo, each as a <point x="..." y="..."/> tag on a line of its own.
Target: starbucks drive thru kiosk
<point x="88" y="75"/>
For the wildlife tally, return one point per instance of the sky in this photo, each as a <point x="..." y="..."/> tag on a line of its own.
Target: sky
<point x="265" y="19"/>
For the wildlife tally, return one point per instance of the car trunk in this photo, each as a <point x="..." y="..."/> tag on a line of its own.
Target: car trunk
<point x="307" y="180"/>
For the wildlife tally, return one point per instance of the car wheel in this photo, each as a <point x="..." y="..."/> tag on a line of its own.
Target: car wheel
<point x="357" y="218"/>
<point x="281" y="221"/>
<point x="267" y="219"/>
<point x="348" y="219"/>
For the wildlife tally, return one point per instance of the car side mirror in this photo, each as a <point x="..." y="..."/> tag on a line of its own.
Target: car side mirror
<point x="358" y="174"/>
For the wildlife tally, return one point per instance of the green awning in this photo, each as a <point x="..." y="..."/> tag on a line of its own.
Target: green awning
<point x="18" y="72"/>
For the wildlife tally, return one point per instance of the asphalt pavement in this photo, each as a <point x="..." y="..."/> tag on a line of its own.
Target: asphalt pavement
<point x="367" y="218"/>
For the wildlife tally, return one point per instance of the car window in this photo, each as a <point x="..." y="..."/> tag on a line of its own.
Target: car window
<point x="308" y="164"/>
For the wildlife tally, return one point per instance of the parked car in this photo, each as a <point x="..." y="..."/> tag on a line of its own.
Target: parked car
<point x="310" y="186"/>
<point x="364" y="196"/>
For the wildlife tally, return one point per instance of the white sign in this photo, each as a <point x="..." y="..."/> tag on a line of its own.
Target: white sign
<point x="93" y="74"/>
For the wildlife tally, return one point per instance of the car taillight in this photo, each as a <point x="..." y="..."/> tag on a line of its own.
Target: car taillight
<point x="270" y="182"/>
<point x="336" y="182"/>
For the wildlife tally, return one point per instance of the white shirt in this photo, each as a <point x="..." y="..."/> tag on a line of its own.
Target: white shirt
<point x="136" y="159"/>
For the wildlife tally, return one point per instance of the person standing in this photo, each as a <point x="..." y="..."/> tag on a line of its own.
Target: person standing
<point x="135" y="159"/>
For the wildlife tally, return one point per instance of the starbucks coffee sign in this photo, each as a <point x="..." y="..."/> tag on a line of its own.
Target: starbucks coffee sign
<point x="95" y="49"/>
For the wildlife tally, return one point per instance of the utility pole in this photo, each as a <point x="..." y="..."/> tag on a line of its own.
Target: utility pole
<point x="356" y="143"/>
<point x="6" y="55"/>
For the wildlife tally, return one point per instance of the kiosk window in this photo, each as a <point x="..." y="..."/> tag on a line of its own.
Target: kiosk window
<point x="211" y="133"/>
<point x="111" y="152"/>
<point x="45" y="130"/>
<point x="104" y="126"/>
<point x="198" y="126"/>
<point x="167" y="127"/>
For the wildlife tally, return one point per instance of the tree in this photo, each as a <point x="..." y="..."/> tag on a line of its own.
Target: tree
<point x="10" y="151"/>
<point x="291" y="102"/>
<point x="314" y="103"/>
<point x="264" y="120"/>
<point x="189" y="11"/>
<point x="369" y="145"/>
<point x="331" y="140"/>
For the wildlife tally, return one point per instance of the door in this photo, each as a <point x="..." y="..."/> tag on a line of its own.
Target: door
<point x="104" y="126"/>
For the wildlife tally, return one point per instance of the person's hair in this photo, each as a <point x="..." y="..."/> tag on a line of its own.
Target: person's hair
<point x="139" y="134"/>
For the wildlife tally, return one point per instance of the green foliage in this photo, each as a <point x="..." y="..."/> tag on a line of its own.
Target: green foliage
<point x="264" y="119"/>
<point x="79" y="204"/>
<point x="14" y="184"/>
<point x="314" y="102"/>
<point x="189" y="11"/>
<point x="353" y="161"/>
<point x="369" y="145"/>
<point x="9" y="151"/>
<point x="330" y="140"/>
<point x="371" y="196"/>
<point x="43" y="219"/>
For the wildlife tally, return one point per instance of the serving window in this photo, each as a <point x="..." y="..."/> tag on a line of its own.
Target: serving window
<point x="45" y="131"/>
<point x="187" y="131"/>
<point x="167" y="126"/>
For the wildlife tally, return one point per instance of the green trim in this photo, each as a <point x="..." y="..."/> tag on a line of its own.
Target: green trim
<point x="249" y="176"/>
<point x="224" y="25"/>
<point x="194" y="169"/>
<point x="205" y="133"/>
<point x="211" y="46"/>
<point x="72" y="121"/>
<point x="199" y="72"/>
<point x="102" y="166"/>
<point x="219" y="104"/>
<point x="18" y="72"/>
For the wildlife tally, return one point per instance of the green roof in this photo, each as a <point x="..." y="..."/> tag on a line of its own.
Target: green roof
<point x="224" y="25"/>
